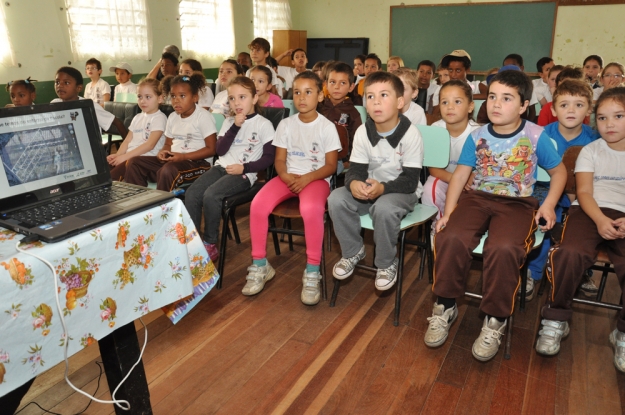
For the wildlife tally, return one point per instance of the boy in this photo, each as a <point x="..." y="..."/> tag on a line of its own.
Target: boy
<point x="568" y="72"/>
<point x="259" y="52"/>
<point x="504" y="154"/>
<point x="597" y="217"/>
<point x="382" y="179"/>
<point x="157" y="71"/>
<point x="98" y="89"/>
<point x="372" y="64"/>
<point x="517" y="60"/>
<point x="541" y="85"/>
<point x="68" y="84"/>
<point x="245" y="60"/>
<point x="123" y="73"/>
<point x="169" y="64"/>
<point x="425" y="74"/>
<point x="298" y="60"/>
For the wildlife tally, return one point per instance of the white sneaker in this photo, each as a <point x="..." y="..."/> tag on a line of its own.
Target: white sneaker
<point x="386" y="278"/>
<point x="345" y="267"/>
<point x="550" y="336"/>
<point x="587" y="286"/>
<point x="256" y="278"/>
<point x="617" y="338"/>
<point x="438" y="329"/>
<point x="311" y="292"/>
<point x="487" y="344"/>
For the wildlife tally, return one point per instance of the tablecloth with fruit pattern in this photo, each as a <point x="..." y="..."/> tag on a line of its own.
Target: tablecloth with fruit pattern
<point x="107" y="277"/>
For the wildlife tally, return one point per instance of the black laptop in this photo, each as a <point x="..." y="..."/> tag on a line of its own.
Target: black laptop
<point x="55" y="181"/>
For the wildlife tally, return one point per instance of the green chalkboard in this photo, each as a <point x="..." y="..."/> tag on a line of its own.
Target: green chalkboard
<point x="487" y="31"/>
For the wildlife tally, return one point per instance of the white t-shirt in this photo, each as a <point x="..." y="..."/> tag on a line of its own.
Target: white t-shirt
<point x="608" y="167"/>
<point x="475" y="87"/>
<point x="596" y="93"/>
<point x="188" y="134"/>
<point x="274" y="76"/>
<point x="415" y="114"/>
<point x="456" y="142"/>
<point x="142" y="126"/>
<point x="385" y="162"/>
<point x="306" y="143"/>
<point x="433" y="88"/>
<point x="288" y="73"/>
<point x="220" y="103"/>
<point x="541" y="90"/>
<point x="206" y="97"/>
<point x="100" y="88"/>
<point x="127" y="88"/>
<point x="105" y="118"/>
<point x="248" y="144"/>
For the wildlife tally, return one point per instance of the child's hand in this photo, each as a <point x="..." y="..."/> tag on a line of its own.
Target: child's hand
<point x="115" y="159"/>
<point x="620" y="225"/>
<point x="176" y="157"/>
<point x="234" y="169"/>
<point x="548" y="214"/>
<point x="164" y="155"/>
<point x="608" y="230"/>
<point x="111" y="158"/>
<point x="299" y="183"/>
<point x="287" y="178"/>
<point x="359" y="190"/>
<point x="441" y="223"/>
<point x="469" y="184"/>
<point x="374" y="189"/>
<point x="239" y="119"/>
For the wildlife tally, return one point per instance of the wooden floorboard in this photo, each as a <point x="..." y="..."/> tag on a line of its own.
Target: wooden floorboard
<point x="270" y="354"/>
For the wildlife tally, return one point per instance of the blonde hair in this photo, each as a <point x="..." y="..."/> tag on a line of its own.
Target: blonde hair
<point x="155" y="84"/>
<point x="408" y="75"/>
<point x="399" y="60"/>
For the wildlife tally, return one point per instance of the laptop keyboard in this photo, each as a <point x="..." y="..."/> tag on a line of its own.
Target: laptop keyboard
<point x="40" y="215"/>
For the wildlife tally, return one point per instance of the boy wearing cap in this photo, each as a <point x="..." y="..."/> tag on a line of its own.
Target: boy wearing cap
<point x="123" y="73"/>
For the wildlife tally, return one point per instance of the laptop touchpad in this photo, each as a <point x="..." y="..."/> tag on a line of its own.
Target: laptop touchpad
<point x="99" y="212"/>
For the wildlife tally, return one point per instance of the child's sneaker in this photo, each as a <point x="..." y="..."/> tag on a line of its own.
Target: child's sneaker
<point x="212" y="250"/>
<point x="386" y="278"/>
<point x="550" y="335"/>
<point x="487" y="344"/>
<point x="256" y="278"/>
<point x="617" y="338"/>
<point x="588" y="287"/>
<point x="438" y="329"/>
<point x="311" y="292"/>
<point x="529" y="288"/>
<point x="345" y="267"/>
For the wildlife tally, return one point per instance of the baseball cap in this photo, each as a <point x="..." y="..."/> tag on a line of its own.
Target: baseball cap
<point x="458" y="53"/>
<point x="121" y="65"/>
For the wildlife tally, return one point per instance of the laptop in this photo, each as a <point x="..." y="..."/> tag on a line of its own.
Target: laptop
<point x="55" y="181"/>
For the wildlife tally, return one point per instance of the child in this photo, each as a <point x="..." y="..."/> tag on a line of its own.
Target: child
<point x="414" y="112"/>
<point x="394" y="63"/>
<point x="382" y="180"/>
<point x="123" y="75"/>
<point x="593" y="65"/>
<point x="299" y="60"/>
<point x="189" y="140"/>
<point x="611" y="76"/>
<point x="259" y="51"/>
<point x="517" y="60"/>
<point x="228" y="70"/>
<point x="425" y="74"/>
<point x="244" y="60"/>
<point x="307" y="147"/>
<point x="372" y="64"/>
<point x="546" y="116"/>
<point x="262" y="78"/>
<point x="359" y="67"/>
<point x="490" y="74"/>
<point x="22" y="92"/>
<point x="514" y="59"/>
<point x="244" y="148"/>
<point x="273" y="64"/>
<point x="145" y="136"/>
<point x="169" y="64"/>
<point x="318" y="69"/>
<point x="98" y="89"/>
<point x="442" y="76"/>
<point x="187" y="67"/>
<point x="541" y="85"/>
<point x="505" y="155"/>
<point x="596" y="218"/>
<point x="456" y="103"/>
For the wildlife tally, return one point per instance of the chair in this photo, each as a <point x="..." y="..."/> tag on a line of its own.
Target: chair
<point x="126" y="97"/>
<point x="363" y="112"/>
<point x="477" y="105"/>
<point x="219" y="121"/>
<point x="436" y="144"/>
<point x="288" y="103"/>
<point x="125" y="111"/>
<point x="166" y="109"/>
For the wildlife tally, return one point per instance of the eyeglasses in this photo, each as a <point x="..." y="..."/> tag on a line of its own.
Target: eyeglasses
<point x="615" y="76"/>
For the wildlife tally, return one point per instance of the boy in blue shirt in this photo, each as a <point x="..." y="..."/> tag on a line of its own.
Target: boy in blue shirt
<point x="505" y="155"/>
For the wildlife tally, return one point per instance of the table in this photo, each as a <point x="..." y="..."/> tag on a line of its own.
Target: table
<point x="107" y="278"/>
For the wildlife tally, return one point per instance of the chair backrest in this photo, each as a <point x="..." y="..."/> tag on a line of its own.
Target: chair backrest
<point x="542" y="175"/>
<point x="125" y="111"/>
<point x="219" y="120"/>
<point x="436" y="146"/>
<point x="362" y="111"/>
<point x="569" y="159"/>
<point x="166" y="109"/>
<point x="126" y="97"/>
<point x="288" y="103"/>
<point x="478" y="104"/>
<point x="275" y="115"/>
<point x="344" y="139"/>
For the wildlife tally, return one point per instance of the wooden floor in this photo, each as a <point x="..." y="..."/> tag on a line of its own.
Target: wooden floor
<point x="271" y="354"/>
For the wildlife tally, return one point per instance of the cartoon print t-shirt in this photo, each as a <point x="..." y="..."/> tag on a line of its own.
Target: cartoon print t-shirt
<point x="507" y="164"/>
<point x="142" y="126"/>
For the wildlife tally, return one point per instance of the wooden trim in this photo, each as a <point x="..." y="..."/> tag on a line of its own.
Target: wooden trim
<point x="589" y="2"/>
<point x="487" y="3"/>
<point x="553" y="31"/>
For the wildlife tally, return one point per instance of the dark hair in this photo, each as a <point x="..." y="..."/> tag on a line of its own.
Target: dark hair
<point x="170" y="57"/>
<point x="166" y="84"/>
<point x="555" y="68"/>
<point x="574" y="87"/>
<point x="342" y="67"/>
<point x="236" y="65"/>
<point x="196" y="82"/>
<point x="616" y="94"/>
<point x="427" y="63"/>
<point x="298" y="50"/>
<point x="361" y="58"/>
<point x="27" y="83"/>
<point x="264" y="70"/>
<point x="381" y="77"/>
<point x="312" y="76"/>
<point x="94" y="61"/>
<point x="73" y="72"/>
<point x="375" y="57"/>
<point x="248" y="84"/>
<point x="152" y="82"/>
<point x="569" y="72"/>
<point x="272" y="62"/>
<point x="449" y="59"/>
<point x="542" y="62"/>
<point x="196" y="66"/>
<point x="594" y="58"/>
<point x="466" y="89"/>
<point x="517" y="80"/>
<point x="260" y="43"/>
<point x="517" y="58"/>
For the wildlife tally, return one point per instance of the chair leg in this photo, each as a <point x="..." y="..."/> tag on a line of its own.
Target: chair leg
<point x="222" y="247"/>
<point x="282" y="236"/>
<point x="235" y="228"/>
<point x="400" y="272"/>
<point x="424" y="252"/>
<point x="524" y="272"/>
<point x="604" y="280"/>
<point x="288" y="226"/>
<point x="276" y="242"/>
<point x="430" y="252"/>
<point x="324" y="291"/>
<point x="335" y="292"/>
<point x="506" y="353"/>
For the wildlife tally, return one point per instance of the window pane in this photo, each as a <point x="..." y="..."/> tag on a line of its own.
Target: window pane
<point x="207" y="28"/>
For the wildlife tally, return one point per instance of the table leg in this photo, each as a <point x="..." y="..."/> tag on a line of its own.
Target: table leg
<point x="120" y="350"/>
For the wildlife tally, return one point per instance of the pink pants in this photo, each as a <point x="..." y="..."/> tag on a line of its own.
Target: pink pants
<point x="435" y="194"/>
<point x="312" y="206"/>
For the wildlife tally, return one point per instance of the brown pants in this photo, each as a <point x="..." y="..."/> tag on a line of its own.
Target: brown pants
<point x="168" y="176"/>
<point x="566" y="262"/>
<point x="510" y="225"/>
<point x="118" y="172"/>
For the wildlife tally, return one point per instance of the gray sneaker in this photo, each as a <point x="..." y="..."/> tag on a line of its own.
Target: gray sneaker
<point x="438" y="329"/>
<point x="617" y="338"/>
<point x="487" y="344"/>
<point x="588" y="287"/>
<point x="311" y="292"/>
<point x="550" y="335"/>
<point x="345" y="267"/>
<point x="386" y="278"/>
<point x="256" y="278"/>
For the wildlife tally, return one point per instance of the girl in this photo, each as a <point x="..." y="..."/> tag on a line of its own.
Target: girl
<point x="228" y="70"/>
<point x="262" y="78"/>
<point x="307" y="147"/>
<point x="611" y="76"/>
<point x="553" y="74"/>
<point x="359" y="68"/>
<point x="22" y="92"/>
<point x="273" y="64"/>
<point x="187" y="67"/>
<point x="244" y="148"/>
<point x="442" y="75"/>
<point x="318" y="69"/>
<point x="414" y="112"/>
<point x="592" y="68"/>
<point x="456" y="104"/>
<point x="189" y="140"/>
<point x="394" y="63"/>
<point x="145" y="134"/>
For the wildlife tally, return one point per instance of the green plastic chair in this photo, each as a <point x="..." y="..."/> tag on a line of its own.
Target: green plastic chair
<point x="363" y="112"/>
<point x="478" y="104"/>
<point x="288" y="103"/>
<point x="126" y="97"/>
<point x="219" y="120"/>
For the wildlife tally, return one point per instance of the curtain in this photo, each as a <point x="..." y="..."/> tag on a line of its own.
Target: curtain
<point x="270" y="15"/>
<point x="207" y="28"/>
<point x="7" y="58"/>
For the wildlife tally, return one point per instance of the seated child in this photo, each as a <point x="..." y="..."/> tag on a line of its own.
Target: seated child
<point x="456" y="104"/>
<point x="262" y="78"/>
<point x="394" y="63"/>
<point x="546" y="116"/>
<point x="273" y="64"/>
<point x="244" y="148"/>
<point x="245" y="61"/>
<point x="123" y="75"/>
<point x="541" y="85"/>
<point x="414" y="112"/>
<point x="597" y="217"/>
<point x="372" y="64"/>
<point x="611" y="76"/>
<point x="318" y="69"/>
<point x="382" y="180"/>
<point x="167" y="64"/>
<point x="299" y="60"/>
<point x="228" y="70"/>
<point x="425" y="74"/>
<point x="22" y="92"/>
<point x="505" y="154"/>
<point x="187" y="67"/>
<point x="98" y="89"/>
<point x="190" y="137"/>
<point x="593" y="65"/>
<point x="307" y="146"/>
<point x="145" y="134"/>
<point x="359" y="67"/>
<point x="259" y="51"/>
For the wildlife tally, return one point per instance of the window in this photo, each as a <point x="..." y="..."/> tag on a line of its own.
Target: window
<point x="270" y="15"/>
<point x="207" y="28"/>
<point x="109" y="29"/>
<point x="6" y="50"/>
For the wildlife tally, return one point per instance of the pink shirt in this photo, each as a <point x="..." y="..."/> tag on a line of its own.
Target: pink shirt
<point x="274" y="101"/>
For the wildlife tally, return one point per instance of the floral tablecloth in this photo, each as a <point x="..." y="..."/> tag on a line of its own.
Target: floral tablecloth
<point x="107" y="277"/>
